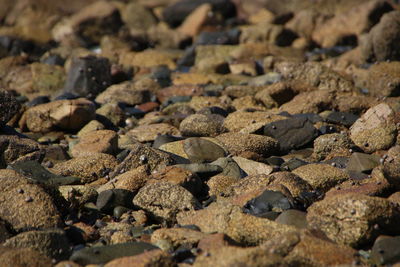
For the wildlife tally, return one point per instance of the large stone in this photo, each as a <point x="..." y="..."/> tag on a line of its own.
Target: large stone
<point x="8" y="107"/>
<point x="354" y="219"/>
<point x="202" y="125"/>
<point x="164" y="200"/>
<point x="101" y="141"/>
<point x="201" y="150"/>
<point x="251" y="167"/>
<point x="61" y="114"/>
<point x="24" y="257"/>
<point x="375" y="130"/>
<point x="13" y="148"/>
<point x="321" y="176"/>
<point x="327" y="144"/>
<point x="24" y="204"/>
<point x="126" y="92"/>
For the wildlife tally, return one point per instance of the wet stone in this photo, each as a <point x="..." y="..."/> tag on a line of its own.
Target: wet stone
<point x="104" y="254"/>
<point x="201" y="150"/>
<point x="291" y="133"/>
<point x="266" y="202"/>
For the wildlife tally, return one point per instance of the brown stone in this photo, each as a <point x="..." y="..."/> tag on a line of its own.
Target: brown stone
<point x="146" y="259"/>
<point x="101" y="141"/>
<point x="146" y="133"/>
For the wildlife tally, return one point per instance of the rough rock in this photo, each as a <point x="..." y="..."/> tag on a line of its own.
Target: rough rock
<point x="8" y="107"/>
<point x="239" y="120"/>
<point x="146" y="133"/>
<point x="383" y="79"/>
<point x="337" y="144"/>
<point x="13" y="148"/>
<point x="148" y="258"/>
<point x="177" y="237"/>
<point x="202" y="125"/>
<point x="101" y="141"/>
<point x="126" y="92"/>
<point x="24" y="257"/>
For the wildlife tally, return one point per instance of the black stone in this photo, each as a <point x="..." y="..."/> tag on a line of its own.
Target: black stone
<point x="266" y="202"/>
<point x="292" y="133"/>
<point x="292" y="164"/>
<point x="88" y="76"/>
<point x="344" y="118"/>
<point x="230" y="37"/>
<point x="275" y="161"/>
<point x="37" y="101"/>
<point x="66" y="96"/>
<point x="104" y="254"/>
<point x="54" y="59"/>
<point x="213" y="110"/>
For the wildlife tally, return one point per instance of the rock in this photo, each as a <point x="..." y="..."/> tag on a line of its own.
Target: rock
<point x="225" y="218"/>
<point x="101" y="141"/>
<point x="362" y="213"/>
<point x="337" y="144"/>
<point x="237" y="143"/>
<point x="110" y="114"/>
<point x="61" y="114"/>
<point x="309" y="102"/>
<point x="276" y="94"/>
<point x="251" y="167"/>
<point x="391" y="166"/>
<point x="201" y="169"/>
<point x="321" y="176"/>
<point x="201" y="150"/>
<point x="52" y="243"/>
<point x="247" y="103"/>
<point x="80" y="193"/>
<point x="395" y="197"/>
<point x="213" y="58"/>
<point x="146" y="133"/>
<point x="31" y="208"/>
<point x="266" y="202"/>
<point x="344" y="118"/>
<point x="177" y="237"/>
<point x="8" y="107"/>
<point x="294" y="184"/>
<point x="139" y="155"/>
<point x="316" y="75"/>
<point x="91" y="126"/>
<point x="148" y="58"/>
<point x="23" y="257"/>
<point x="293" y="217"/>
<point x="176" y="12"/>
<point x="380" y="43"/>
<point x="218" y="184"/>
<point x="240" y="120"/>
<point x="138" y="18"/>
<point x="375" y="130"/>
<point x="107" y="200"/>
<point x="193" y="23"/>
<point x="164" y="200"/>
<point x="175" y="175"/>
<point x="88" y="76"/>
<point x="360" y="162"/>
<point x="382" y="79"/>
<point x="229" y="167"/>
<point x="13" y="148"/>
<point x="179" y="90"/>
<point x="355" y="21"/>
<point x="125" y="92"/>
<point x="386" y="250"/>
<point x="291" y="133"/>
<point x="266" y="32"/>
<point x="202" y="125"/>
<point x="175" y="147"/>
<point x="148" y="258"/>
<point x="89" y="167"/>
<point x="105" y="254"/>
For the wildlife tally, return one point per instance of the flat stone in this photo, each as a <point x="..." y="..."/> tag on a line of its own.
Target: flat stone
<point x="201" y="169"/>
<point x="62" y="114"/>
<point x="291" y="133"/>
<point x="239" y="120"/>
<point x="164" y="200"/>
<point x="361" y="213"/>
<point x="251" y="167"/>
<point x="93" y="125"/>
<point x="201" y="150"/>
<point x="104" y="254"/>
<point x="107" y="200"/>
<point x="321" y="176"/>
<point x="101" y="141"/>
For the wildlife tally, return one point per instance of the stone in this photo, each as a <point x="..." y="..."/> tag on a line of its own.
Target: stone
<point x="111" y="115"/>
<point x="79" y="193"/>
<point x="380" y="43"/>
<point x="88" y="76"/>
<point x="125" y="92"/>
<point x="13" y="147"/>
<point x="309" y="102"/>
<point x="177" y="237"/>
<point x="52" y="243"/>
<point x="179" y="90"/>
<point x="148" y="258"/>
<point x="24" y="257"/>
<point x="201" y="150"/>
<point x="383" y="79"/>
<point x="386" y="250"/>
<point x="222" y="217"/>
<point x="247" y="103"/>
<point x="335" y="143"/>
<point x="138" y="18"/>
<point x="39" y="212"/>
<point x="146" y="133"/>
<point x="93" y="125"/>
<point x="266" y="32"/>
<point x="105" y="254"/>
<point x="375" y="130"/>
<point x="292" y="133"/>
<point x="202" y="125"/>
<point x="276" y="94"/>
<point x="164" y="200"/>
<point x="251" y="167"/>
<point x="344" y="118"/>
<point x="61" y="114"/>
<point x="361" y="213"/>
<point x="101" y="141"/>
<point x="266" y="202"/>
<point x="237" y="143"/>
<point x="201" y="169"/>
<point x="218" y="184"/>
<point x="89" y="167"/>
<point x="293" y="217"/>
<point x="8" y="107"/>
<point x="361" y="162"/>
<point x="229" y="167"/>
<point x="321" y="176"/>
<point x="149" y="58"/>
<point x="240" y="120"/>
<point x="213" y="58"/>
<point x="193" y="23"/>
<point x="107" y="200"/>
<point x="175" y="147"/>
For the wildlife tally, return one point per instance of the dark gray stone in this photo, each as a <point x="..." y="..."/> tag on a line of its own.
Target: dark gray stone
<point x="8" y="107"/>
<point x="230" y="167"/>
<point x="109" y="199"/>
<point x="361" y="162"/>
<point x="88" y="76"/>
<point x="266" y="202"/>
<point x="102" y="255"/>
<point x="292" y="164"/>
<point x="344" y="118"/>
<point x="292" y="133"/>
<point x="201" y="150"/>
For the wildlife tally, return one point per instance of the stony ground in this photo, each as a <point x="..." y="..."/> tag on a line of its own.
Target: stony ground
<point x="199" y="132"/>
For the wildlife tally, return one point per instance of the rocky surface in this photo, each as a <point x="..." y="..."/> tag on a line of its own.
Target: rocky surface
<point x="199" y="133"/>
